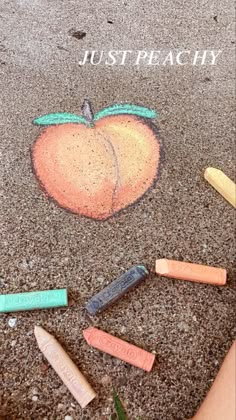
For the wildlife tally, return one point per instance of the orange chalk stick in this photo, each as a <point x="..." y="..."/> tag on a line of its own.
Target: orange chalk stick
<point x="119" y="348"/>
<point x="192" y="272"/>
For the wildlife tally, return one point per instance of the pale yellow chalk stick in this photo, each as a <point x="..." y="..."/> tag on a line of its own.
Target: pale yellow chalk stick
<point x="224" y="185"/>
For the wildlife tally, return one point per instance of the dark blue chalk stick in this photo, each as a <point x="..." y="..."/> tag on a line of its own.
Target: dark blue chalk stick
<point x="116" y="289"/>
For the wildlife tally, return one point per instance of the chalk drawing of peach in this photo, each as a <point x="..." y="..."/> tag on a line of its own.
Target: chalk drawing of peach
<point x="96" y="165"/>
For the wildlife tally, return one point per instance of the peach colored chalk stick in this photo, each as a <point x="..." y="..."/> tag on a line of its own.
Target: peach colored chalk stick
<point x="193" y="272"/>
<point x="119" y="348"/>
<point x="64" y="367"/>
<point x="223" y="184"/>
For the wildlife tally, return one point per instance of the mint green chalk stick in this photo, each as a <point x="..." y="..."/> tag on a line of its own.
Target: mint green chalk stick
<point x="33" y="300"/>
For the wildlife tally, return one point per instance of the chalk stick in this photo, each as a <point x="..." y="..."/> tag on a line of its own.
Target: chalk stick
<point x="116" y="289"/>
<point x="192" y="272"/>
<point x="119" y="348"/>
<point x="222" y="183"/>
<point x="64" y="367"/>
<point x="33" y="300"/>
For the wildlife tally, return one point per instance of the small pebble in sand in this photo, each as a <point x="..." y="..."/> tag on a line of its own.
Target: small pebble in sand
<point x="44" y="367"/>
<point x="12" y="322"/>
<point x="107" y="411"/>
<point x="35" y="398"/>
<point x="106" y="380"/>
<point x="100" y="279"/>
<point x="60" y="406"/>
<point x="13" y="343"/>
<point x="35" y="391"/>
<point x="68" y="418"/>
<point x="24" y="264"/>
<point x="183" y="326"/>
<point x="2" y="282"/>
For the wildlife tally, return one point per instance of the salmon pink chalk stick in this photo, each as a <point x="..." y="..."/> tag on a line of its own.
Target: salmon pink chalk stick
<point x="119" y="348"/>
<point x="65" y="368"/>
<point x="192" y="272"/>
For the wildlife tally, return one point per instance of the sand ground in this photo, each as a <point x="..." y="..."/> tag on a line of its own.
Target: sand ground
<point x="189" y="326"/>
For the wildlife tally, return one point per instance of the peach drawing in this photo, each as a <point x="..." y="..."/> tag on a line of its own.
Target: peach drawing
<point x="96" y="165"/>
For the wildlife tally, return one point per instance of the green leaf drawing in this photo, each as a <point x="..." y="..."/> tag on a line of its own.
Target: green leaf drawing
<point x="87" y="114"/>
<point x="59" y="118"/>
<point x="131" y="109"/>
<point x="118" y="406"/>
